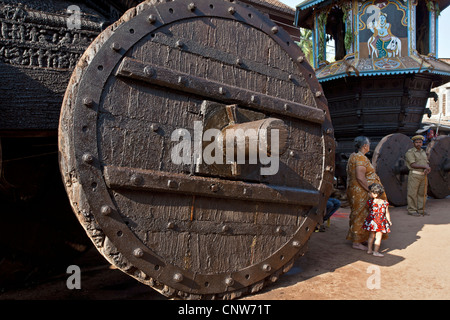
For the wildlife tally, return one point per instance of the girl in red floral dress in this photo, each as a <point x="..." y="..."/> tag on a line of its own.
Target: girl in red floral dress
<point x="378" y="220"/>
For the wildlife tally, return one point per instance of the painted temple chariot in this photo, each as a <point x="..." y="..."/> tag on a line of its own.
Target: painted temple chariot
<point x="377" y="78"/>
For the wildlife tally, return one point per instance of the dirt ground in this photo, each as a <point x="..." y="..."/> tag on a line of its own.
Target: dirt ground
<point x="415" y="266"/>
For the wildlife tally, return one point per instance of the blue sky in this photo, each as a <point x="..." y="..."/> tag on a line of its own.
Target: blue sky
<point x="443" y="28"/>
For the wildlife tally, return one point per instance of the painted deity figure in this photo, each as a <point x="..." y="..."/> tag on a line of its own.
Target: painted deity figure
<point x="383" y="44"/>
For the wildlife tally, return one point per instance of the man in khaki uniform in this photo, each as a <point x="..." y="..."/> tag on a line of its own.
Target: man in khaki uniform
<point x="418" y="165"/>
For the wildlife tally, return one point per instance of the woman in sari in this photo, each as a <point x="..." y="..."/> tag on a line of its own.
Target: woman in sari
<point x="360" y="174"/>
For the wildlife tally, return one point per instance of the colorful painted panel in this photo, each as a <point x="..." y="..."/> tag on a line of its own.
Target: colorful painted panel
<point x="383" y="28"/>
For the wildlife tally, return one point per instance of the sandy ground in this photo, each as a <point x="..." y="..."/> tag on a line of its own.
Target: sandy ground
<point x="415" y="266"/>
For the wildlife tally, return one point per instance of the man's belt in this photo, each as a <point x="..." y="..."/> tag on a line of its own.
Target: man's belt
<point x="418" y="172"/>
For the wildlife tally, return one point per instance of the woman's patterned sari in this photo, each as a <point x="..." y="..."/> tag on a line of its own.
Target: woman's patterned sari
<point x="358" y="197"/>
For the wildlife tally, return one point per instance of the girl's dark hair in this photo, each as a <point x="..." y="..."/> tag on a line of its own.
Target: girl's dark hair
<point x="376" y="188"/>
<point x="360" y="141"/>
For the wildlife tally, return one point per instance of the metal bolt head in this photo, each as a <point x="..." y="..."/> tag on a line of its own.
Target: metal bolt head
<point x="231" y="10"/>
<point x="88" y="158"/>
<point x="182" y="81"/>
<point x="178" y="277"/>
<point x="172" y="184"/>
<point x="106" y="210"/>
<point x="148" y="71"/>
<point x="279" y="230"/>
<point x="88" y="102"/>
<point x="154" y="127"/>
<point x="214" y="187"/>
<point x="318" y="94"/>
<point x="274" y="30"/>
<point x="300" y="59"/>
<point x="266" y="267"/>
<point x="152" y="19"/>
<point x="115" y="46"/>
<point x="138" y="252"/>
<point x="296" y="244"/>
<point x="229" y="281"/>
<point x="170" y="225"/>
<point x="179" y="44"/>
<point x="191" y="6"/>
<point x="136" y="179"/>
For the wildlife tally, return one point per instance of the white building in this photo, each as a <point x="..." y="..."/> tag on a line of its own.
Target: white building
<point x="440" y="110"/>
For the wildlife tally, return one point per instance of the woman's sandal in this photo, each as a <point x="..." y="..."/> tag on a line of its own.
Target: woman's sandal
<point x="377" y="254"/>
<point x="359" y="246"/>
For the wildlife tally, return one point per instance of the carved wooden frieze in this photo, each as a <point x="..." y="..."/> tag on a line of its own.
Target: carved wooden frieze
<point x="34" y="34"/>
<point x="40" y="44"/>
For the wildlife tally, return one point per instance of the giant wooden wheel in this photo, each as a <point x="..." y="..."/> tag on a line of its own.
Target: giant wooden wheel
<point x="390" y="164"/>
<point x="438" y="152"/>
<point x="187" y="227"/>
